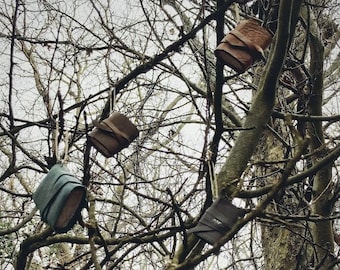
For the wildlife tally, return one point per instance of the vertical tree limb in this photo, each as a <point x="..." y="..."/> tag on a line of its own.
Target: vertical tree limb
<point x="263" y="103"/>
<point x="322" y="203"/>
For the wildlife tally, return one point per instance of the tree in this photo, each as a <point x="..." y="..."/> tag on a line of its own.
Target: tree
<point x="267" y="138"/>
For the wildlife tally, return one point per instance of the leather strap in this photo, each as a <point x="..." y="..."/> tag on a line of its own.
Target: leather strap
<point x="122" y="138"/>
<point x="255" y="50"/>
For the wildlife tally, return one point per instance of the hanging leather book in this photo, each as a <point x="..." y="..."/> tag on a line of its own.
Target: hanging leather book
<point x="60" y="198"/>
<point x="217" y="220"/>
<point x="113" y="134"/>
<point x="241" y="47"/>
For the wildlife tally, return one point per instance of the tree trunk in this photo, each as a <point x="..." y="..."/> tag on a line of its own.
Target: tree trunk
<point x="283" y="246"/>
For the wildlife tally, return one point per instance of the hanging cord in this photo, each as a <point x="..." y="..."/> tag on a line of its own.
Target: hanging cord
<point x="112" y="88"/>
<point x="211" y="169"/>
<point x="87" y="151"/>
<point x="56" y="141"/>
<point x="59" y="128"/>
<point x="60" y="132"/>
<point x="56" y="144"/>
<point x="112" y="99"/>
<point x="66" y="147"/>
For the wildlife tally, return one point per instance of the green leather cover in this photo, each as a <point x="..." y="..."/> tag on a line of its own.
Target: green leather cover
<point x="52" y="193"/>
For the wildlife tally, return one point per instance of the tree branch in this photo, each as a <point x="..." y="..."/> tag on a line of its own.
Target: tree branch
<point x="174" y="47"/>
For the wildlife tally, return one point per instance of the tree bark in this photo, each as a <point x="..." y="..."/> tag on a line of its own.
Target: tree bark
<point x="322" y="203"/>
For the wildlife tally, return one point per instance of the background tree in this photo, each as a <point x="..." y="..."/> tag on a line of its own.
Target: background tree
<point x="268" y="138"/>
